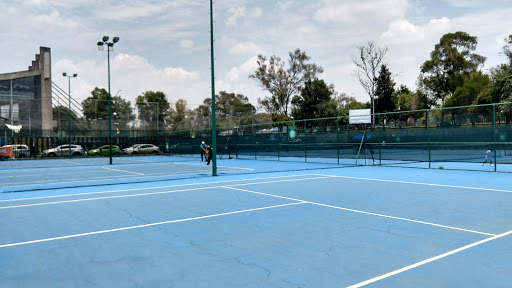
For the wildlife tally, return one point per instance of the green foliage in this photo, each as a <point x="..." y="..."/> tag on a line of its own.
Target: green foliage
<point x="468" y="93"/>
<point x="314" y="101"/>
<point x="450" y="65"/>
<point x="385" y="90"/>
<point x="283" y="83"/>
<point x="96" y="107"/>
<point x="152" y="108"/>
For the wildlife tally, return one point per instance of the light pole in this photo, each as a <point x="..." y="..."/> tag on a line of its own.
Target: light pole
<point x="69" y="107"/>
<point x="110" y="46"/>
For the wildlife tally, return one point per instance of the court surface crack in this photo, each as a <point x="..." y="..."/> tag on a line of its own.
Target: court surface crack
<point x="254" y="265"/>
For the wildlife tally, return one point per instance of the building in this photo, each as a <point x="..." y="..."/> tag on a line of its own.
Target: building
<point x="26" y="97"/>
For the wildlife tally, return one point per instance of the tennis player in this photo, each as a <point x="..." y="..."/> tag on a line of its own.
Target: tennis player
<point x="203" y="151"/>
<point x="209" y="152"/>
<point x="488" y="156"/>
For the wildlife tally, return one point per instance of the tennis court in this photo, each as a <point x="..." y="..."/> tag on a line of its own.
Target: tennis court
<point x="313" y="225"/>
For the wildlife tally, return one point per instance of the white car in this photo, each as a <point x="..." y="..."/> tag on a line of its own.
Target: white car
<point x="20" y="150"/>
<point x="142" y="149"/>
<point x="63" y="150"/>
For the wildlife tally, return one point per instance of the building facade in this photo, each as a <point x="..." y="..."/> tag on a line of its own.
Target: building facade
<point x="26" y="97"/>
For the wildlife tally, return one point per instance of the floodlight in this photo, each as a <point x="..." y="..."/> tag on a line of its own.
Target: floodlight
<point x="100" y="46"/>
<point x="74" y="75"/>
<point x="116" y="39"/>
<point x="64" y="74"/>
<point x="105" y="38"/>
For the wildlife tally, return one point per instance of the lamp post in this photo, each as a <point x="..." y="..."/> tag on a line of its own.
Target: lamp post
<point x="69" y="107"/>
<point x="110" y="46"/>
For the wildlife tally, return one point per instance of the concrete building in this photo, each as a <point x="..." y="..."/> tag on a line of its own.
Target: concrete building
<point x="26" y="97"/>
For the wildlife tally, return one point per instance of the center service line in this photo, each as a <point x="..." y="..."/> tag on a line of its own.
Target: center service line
<point x="365" y="212"/>
<point x="122" y="170"/>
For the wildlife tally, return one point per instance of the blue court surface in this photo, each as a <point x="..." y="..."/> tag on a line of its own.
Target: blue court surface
<point x="315" y="226"/>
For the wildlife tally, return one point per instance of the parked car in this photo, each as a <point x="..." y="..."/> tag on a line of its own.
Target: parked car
<point x="142" y="149"/>
<point x="104" y="151"/>
<point x="20" y="150"/>
<point x="63" y="150"/>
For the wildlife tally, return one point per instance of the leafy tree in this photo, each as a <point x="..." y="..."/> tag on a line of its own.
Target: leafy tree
<point x="451" y="63"/>
<point x="468" y="93"/>
<point x="314" y="101"/>
<point x="283" y="83"/>
<point x="384" y="91"/>
<point x="178" y="115"/>
<point x="152" y="108"/>
<point x="229" y="107"/>
<point x="96" y="107"/>
<point x="368" y="62"/>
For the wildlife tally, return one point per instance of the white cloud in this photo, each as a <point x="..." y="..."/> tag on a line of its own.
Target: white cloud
<point x="133" y="75"/>
<point x="236" y="14"/>
<point x="246" y="49"/>
<point x="186" y="43"/>
<point x="403" y="31"/>
<point x="244" y="70"/>
<point x="354" y="11"/>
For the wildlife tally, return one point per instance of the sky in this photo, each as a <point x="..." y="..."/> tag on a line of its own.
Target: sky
<point x="165" y="45"/>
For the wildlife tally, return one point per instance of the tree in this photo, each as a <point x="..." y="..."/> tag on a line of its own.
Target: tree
<point x="507" y="49"/>
<point x="314" y="101"/>
<point x="451" y="63"/>
<point x="368" y="62"/>
<point x="283" y="83"/>
<point x="152" y="108"/>
<point x="95" y="108"/>
<point x="178" y="115"/>
<point x="384" y="91"/>
<point x="467" y="94"/>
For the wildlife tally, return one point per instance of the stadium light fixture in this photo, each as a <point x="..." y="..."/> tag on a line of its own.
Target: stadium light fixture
<point x="110" y="46"/>
<point x="69" y="107"/>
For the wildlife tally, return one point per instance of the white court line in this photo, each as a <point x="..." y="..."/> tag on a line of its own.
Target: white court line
<point x="185" y="163"/>
<point x="126" y="196"/>
<point x="143" y="226"/>
<point x="428" y="260"/>
<point x="364" y="212"/>
<point x="122" y="176"/>
<point x="112" y="177"/>
<point x="122" y="170"/>
<point x="149" y="188"/>
<point x="419" y="183"/>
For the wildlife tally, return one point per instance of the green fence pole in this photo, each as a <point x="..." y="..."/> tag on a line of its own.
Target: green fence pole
<point x="278" y="140"/>
<point x="338" y="138"/>
<point x="380" y="138"/>
<point x="305" y="148"/>
<point x="494" y="133"/>
<point x="428" y="135"/>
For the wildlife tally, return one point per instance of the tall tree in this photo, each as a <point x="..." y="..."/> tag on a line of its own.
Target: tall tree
<point x="467" y="94"/>
<point x="152" y="108"/>
<point x="368" y="60"/>
<point x="452" y="61"/>
<point x="178" y="114"/>
<point x="384" y="91"/>
<point x="95" y="107"/>
<point x="314" y="101"/>
<point x="283" y="83"/>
